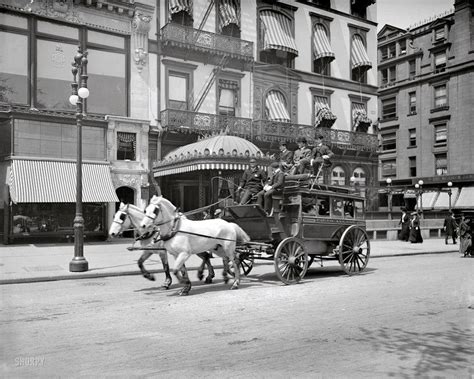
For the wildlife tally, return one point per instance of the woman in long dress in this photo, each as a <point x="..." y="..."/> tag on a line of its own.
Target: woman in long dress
<point x="415" y="231"/>
<point x="465" y="238"/>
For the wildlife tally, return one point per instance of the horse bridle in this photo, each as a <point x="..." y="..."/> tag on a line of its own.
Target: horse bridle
<point x="123" y="216"/>
<point x="156" y="211"/>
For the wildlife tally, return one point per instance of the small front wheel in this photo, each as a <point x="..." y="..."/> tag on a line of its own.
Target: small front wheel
<point x="290" y="260"/>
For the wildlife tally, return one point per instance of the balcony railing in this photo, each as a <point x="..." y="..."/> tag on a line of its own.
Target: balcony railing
<point x="194" y="122"/>
<point x="178" y="35"/>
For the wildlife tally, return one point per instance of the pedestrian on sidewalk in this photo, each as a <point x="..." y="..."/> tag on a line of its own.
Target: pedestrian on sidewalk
<point x="415" y="230"/>
<point x="465" y="238"/>
<point x="450" y="227"/>
<point x="405" y="223"/>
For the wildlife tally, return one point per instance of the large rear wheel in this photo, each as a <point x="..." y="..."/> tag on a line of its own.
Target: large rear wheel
<point x="290" y="260"/>
<point x="354" y="250"/>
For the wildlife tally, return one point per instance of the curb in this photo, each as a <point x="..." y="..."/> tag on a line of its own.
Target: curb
<point x="160" y="271"/>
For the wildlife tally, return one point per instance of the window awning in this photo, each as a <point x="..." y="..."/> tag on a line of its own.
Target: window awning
<point x="277" y="32"/>
<point x="176" y="6"/>
<point x="323" y="115"/>
<point x="229" y="13"/>
<point x="55" y="182"/>
<point x="359" y="56"/>
<point x="428" y="200"/>
<point x="359" y="117"/>
<point x="275" y="107"/>
<point x="442" y="201"/>
<point x="465" y="199"/>
<point x="321" y="45"/>
<point x="204" y="166"/>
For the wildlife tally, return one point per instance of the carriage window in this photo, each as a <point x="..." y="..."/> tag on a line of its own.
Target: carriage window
<point x="349" y="208"/>
<point x="308" y="204"/>
<point x="322" y="204"/>
<point x="359" y="209"/>
<point x="337" y="206"/>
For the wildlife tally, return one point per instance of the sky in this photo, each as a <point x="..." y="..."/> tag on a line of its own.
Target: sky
<point x="403" y="13"/>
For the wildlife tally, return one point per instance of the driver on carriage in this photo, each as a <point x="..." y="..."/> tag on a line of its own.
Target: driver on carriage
<point x="274" y="183"/>
<point x="251" y="182"/>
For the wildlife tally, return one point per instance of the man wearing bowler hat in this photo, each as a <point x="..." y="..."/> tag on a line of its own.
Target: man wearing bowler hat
<point x="251" y="182"/>
<point x="301" y="157"/>
<point x="321" y="157"/>
<point x="286" y="157"/>
<point x="274" y="183"/>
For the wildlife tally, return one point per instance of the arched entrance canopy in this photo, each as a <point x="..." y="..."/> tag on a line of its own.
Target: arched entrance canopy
<point x="215" y="153"/>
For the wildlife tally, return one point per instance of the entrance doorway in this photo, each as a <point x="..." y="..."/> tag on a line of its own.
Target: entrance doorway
<point x="126" y="195"/>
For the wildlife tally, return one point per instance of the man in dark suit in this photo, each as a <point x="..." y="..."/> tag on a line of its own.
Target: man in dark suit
<point x="251" y="182"/>
<point x="286" y="157"/>
<point x="301" y="157"/>
<point x="275" y="182"/>
<point x="450" y="227"/>
<point x="321" y="158"/>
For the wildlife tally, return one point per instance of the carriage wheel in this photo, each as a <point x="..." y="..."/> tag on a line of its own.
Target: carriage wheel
<point x="246" y="262"/>
<point x="290" y="260"/>
<point x="354" y="250"/>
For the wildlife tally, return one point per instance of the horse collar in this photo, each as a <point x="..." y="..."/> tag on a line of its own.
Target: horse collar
<point x="174" y="228"/>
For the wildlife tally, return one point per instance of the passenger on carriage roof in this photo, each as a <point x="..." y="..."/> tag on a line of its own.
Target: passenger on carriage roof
<point x="274" y="183"/>
<point x="251" y="182"/>
<point x="286" y="157"/>
<point x="301" y="158"/>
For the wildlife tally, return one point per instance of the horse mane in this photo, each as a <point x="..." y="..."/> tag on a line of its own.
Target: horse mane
<point x="160" y="199"/>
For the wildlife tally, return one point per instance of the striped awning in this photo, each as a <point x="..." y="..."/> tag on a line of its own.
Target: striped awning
<point x="359" y="56"/>
<point x="359" y="117"/>
<point x="174" y="170"/>
<point x="277" y="33"/>
<point x="428" y="200"/>
<point x="33" y="181"/>
<point x="229" y="13"/>
<point x="323" y="115"/>
<point x="275" y="107"/>
<point x="176" y="6"/>
<point x="321" y="45"/>
<point x="465" y="199"/>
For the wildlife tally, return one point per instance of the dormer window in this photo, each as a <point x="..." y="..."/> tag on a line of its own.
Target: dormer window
<point x="439" y="34"/>
<point x="403" y="47"/>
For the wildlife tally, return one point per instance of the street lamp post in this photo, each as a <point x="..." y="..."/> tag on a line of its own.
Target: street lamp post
<point x="388" y="181"/>
<point x="79" y="94"/>
<point x="450" y="184"/>
<point x="419" y="193"/>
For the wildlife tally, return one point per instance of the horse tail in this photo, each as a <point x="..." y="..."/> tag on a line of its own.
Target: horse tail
<point x="241" y="236"/>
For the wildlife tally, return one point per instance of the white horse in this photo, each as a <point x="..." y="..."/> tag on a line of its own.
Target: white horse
<point x="183" y="237"/>
<point x="128" y="215"/>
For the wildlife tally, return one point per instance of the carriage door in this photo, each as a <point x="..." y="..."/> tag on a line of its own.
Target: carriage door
<point x="127" y="196"/>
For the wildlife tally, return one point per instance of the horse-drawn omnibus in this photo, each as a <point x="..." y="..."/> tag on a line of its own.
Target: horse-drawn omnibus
<point x="308" y="221"/>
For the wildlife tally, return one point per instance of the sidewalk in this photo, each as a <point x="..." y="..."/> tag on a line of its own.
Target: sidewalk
<point x="24" y="263"/>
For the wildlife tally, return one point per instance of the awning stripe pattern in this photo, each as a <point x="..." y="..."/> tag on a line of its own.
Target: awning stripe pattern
<point x="359" y="117"/>
<point x="277" y="32"/>
<point x="466" y="198"/>
<point x="359" y="56"/>
<point x="176" y="6"/>
<point x="229" y="13"/>
<point x="321" y="45"/>
<point x="275" y="107"/>
<point x="55" y="182"/>
<point x="200" y="167"/>
<point x="323" y="115"/>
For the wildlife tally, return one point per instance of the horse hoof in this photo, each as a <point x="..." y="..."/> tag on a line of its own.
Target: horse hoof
<point x="235" y="286"/>
<point x="208" y="280"/>
<point x="183" y="292"/>
<point x="200" y="275"/>
<point x="150" y="277"/>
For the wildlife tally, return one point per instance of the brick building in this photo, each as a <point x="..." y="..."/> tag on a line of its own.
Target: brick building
<point x="425" y="112"/>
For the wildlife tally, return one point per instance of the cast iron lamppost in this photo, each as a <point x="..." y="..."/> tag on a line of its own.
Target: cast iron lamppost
<point x="79" y="72"/>
<point x="388" y="181"/>
<point x="450" y="184"/>
<point x="419" y="193"/>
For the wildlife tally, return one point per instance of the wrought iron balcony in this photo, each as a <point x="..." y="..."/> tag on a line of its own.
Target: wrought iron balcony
<point x="267" y="130"/>
<point x="206" y="46"/>
<point x="205" y="123"/>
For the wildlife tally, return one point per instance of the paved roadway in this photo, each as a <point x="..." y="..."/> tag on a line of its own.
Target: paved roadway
<point x="406" y="316"/>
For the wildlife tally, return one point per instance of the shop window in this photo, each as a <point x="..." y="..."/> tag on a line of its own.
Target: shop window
<point x="389" y="168"/>
<point x="126" y="146"/>
<point x="441" y="164"/>
<point x="389" y="141"/>
<point x="338" y="176"/>
<point x="441" y="135"/>
<point x="14" y="68"/>
<point x="412" y="137"/>
<point x="412" y="166"/>
<point x="412" y="102"/>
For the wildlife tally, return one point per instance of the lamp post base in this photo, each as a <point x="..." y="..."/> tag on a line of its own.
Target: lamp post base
<point x="78" y="264"/>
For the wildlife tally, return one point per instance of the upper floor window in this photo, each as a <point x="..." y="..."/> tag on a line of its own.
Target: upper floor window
<point x="441" y="164"/>
<point x="359" y="176"/>
<point x="412" y="166"/>
<point x="276" y="39"/>
<point x="441" y="135"/>
<point x="389" y="108"/>
<point x="360" y="62"/>
<point x="338" y="176"/>
<point x="322" y="51"/>
<point x="126" y="146"/>
<point x="178" y="90"/>
<point x="440" y="61"/>
<point x="359" y="8"/>
<point x="389" y="141"/>
<point x="411" y="137"/>
<point x="440" y="96"/>
<point x="388" y="51"/>
<point x="181" y="12"/>
<point x="326" y="4"/>
<point x="389" y="167"/>
<point x="360" y="120"/>
<point x="229" y="17"/>
<point x="439" y="34"/>
<point x="403" y="47"/>
<point x="411" y="69"/>
<point x="276" y="107"/>
<point x="412" y="103"/>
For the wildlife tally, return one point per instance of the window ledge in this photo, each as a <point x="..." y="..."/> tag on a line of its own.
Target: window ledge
<point x="411" y="114"/>
<point x="412" y="147"/>
<point x="395" y="118"/>
<point x="440" y="109"/>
